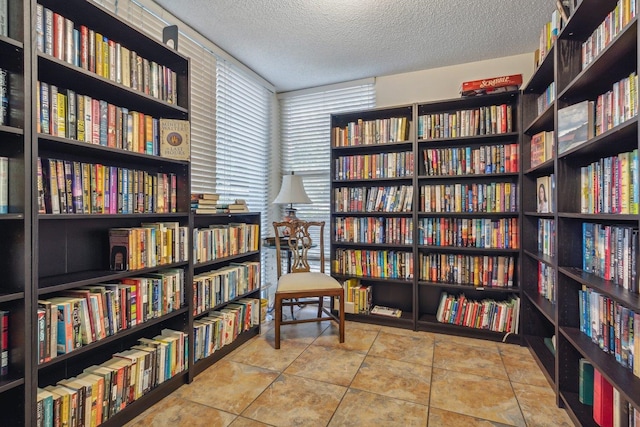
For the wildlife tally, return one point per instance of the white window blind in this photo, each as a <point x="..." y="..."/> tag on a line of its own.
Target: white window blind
<point x="202" y="82"/>
<point x="243" y="138"/>
<point x="305" y="120"/>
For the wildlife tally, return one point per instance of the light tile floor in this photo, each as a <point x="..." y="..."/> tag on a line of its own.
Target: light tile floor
<point x="380" y="376"/>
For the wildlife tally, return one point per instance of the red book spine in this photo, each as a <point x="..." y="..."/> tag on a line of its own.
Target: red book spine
<point x="602" y="400"/>
<point x="4" y="343"/>
<point x="84" y="47"/>
<point x="95" y="122"/>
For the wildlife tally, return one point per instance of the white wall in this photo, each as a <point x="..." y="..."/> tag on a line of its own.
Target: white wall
<point x="444" y="83"/>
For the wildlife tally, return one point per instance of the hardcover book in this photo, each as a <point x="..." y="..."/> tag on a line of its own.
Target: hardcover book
<point x="175" y="139"/>
<point x="543" y="194"/>
<point x="575" y="125"/>
<point x="491" y="85"/>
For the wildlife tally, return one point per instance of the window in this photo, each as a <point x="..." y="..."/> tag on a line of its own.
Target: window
<point x="306" y="138"/>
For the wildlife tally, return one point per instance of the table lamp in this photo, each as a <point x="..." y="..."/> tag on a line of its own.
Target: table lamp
<point x="291" y="191"/>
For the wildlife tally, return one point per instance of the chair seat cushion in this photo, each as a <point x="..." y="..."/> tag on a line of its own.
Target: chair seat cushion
<point x="309" y="281"/>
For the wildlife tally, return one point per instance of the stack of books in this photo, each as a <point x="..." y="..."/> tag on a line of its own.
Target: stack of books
<point x="205" y="203"/>
<point x="239" y="205"/>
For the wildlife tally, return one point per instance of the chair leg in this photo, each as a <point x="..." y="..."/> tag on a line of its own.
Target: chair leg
<point x="320" y="302"/>
<point x="278" y="304"/>
<point x="291" y="307"/>
<point x="341" y="326"/>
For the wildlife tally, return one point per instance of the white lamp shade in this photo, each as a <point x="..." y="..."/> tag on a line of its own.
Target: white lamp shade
<point x="292" y="191"/>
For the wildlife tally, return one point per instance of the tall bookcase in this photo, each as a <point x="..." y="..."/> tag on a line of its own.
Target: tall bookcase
<point x="576" y="281"/>
<point x="385" y="185"/>
<point x="72" y="250"/>
<point x="15" y="225"/>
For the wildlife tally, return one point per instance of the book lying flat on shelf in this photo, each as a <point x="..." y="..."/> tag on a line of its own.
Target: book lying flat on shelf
<point x="386" y="311"/>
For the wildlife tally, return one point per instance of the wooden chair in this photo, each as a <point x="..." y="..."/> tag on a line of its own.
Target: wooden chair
<point x="300" y="283"/>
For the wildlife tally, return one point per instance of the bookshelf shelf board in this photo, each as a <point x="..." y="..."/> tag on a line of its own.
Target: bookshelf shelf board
<point x="544" y="168"/>
<point x="373" y="213"/>
<point x="11" y="217"/>
<point x="543" y="121"/>
<point x="456" y="104"/>
<point x="543" y="305"/>
<point x="620" y="138"/>
<point x="627" y="383"/>
<point x="606" y="287"/>
<point x="543" y="356"/>
<point x="376" y="181"/>
<point x="11" y="130"/>
<point x="467" y="249"/>
<point x="475" y="139"/>
<point x="57" y="72"/>
<point x="598" y="217"/>
<point x="428" y="322"/>
<point x="85" y="278"/>
<point x="373" y="245"/>
<point x="539" y="214"/>
<point x="348" y="150"/>
<point x="542" y="76"/>
<point x="10" y="296"/>
<point x="9" y="46"/>
<point x="469" y="288"/>
<point x="470" y="176"/>
<point x="219" y="306"/>
<point x="580" y="414"/>
<point x="404" y="321"/>
<point x="51" y="146"/>
<point x="368" y="279"/>
<point x="227" y="259"/>
<point x="469" y="214"/>
<point x="173" y="216"/>
<point x="147" y="400"/>
<point x="10" y="383"/>
<point x="585" y="18"/>
<point x="202" y="364"/>
<point x="620" y="51"/>
<point x="115" y="337"/>
<point x="539" y="256"/>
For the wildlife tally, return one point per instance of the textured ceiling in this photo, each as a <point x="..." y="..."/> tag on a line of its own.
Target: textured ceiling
<point x="297" y="44"/>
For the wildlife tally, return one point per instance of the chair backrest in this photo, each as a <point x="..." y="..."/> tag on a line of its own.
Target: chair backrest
<point x="293" y="239"/>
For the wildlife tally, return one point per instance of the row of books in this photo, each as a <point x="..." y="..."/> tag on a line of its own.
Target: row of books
<point x="370" y="132"/>
<point x="70" y="186"/>
<point x="149" y="245"/>
<point x="611" y="326"/>
<point x="547" y="282"/>
<point x="611" y="252"/>
<point x="472" y="270"/>
<point x="469" y="232"/>
<point x="212" y="288"/>
<point x="4" y="343"/>
<point x="546" y="98"/>
<point x="101" y="391"/>
<point x="548" y="35"/>
<point x="542" y="144"/>
<point x="224" y="240"/>
<point x="4" y="185"/>
<point x="484" y="159"/>
<point x="374" y="199"/>
<point x="616" y="105"/>
<point x="4" y="95"/>
<point x="373" y="263"/>
<point x="374" y="166"/>
<point x="498" y="316"/>
<point x="606" y="32"/>
<point x="546" y="236"/>
<point x="68" y="114"/>
<point x="90" y="50"/>
<point x="467" y="197"/>
<point x="486" y="120"/>
<point x="394" y="231"/>
<point x="78" y="317"/>
<point x="357" y="297"/>
<point x="611" y="185"/>
<point x="222" y="327"/>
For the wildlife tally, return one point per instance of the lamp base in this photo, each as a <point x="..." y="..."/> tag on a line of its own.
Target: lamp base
<point x="290" y="214"/>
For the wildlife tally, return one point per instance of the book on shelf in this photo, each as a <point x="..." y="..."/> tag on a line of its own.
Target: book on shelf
<point x="386" y="311"/>
<point x="602" y="400"/>
<point x="491" y="85"/>
<point x="541" y="147"/>
<point x="4" y="95"/>
<point x="585" y="387"/>
<point x="576" y="125"/>
<point x="4" y="343"/>
<point x="550" y="342"/>
<point x="175" y="139"/>
<point x="543" y="194"/>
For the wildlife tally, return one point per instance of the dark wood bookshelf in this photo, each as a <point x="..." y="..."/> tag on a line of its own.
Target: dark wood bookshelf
<point x="461" y="140"/>
<point x="606" y="287"/>
<point x="405" y="321"/>
<point x="480" y="290"/>
<point x="580" y="414"/>
<point x="470" y="249"/>
<point x="202" y="364"/>
<point x="542" y="121"/>
<point x="227" y="259"/>
<point x="539" y="256"/>
<point x="475" y="176"/>
<point x="546" y="307"/>
<point x="543" y="356"/>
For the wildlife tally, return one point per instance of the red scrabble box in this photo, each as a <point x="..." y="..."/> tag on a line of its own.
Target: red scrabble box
<point x="492" y="85"/>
